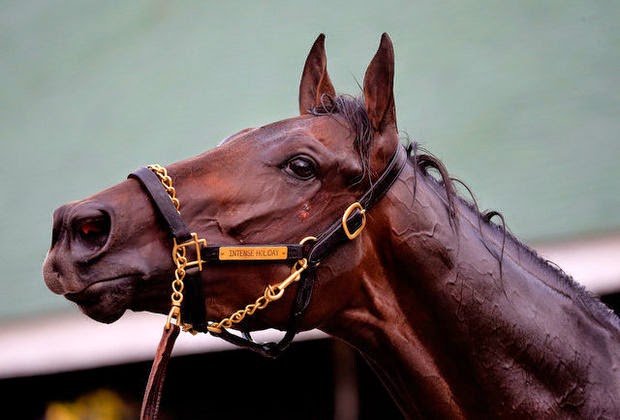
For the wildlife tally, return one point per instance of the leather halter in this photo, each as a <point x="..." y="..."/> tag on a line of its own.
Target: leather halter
<point x="348" y="228"/>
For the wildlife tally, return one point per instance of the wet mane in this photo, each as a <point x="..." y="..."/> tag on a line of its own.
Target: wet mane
<point x="353" y="110"/>
<point x="583" y="297"/>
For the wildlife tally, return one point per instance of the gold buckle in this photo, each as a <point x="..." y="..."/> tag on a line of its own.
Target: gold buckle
<point x="179" y="250"/>
<point x="345" y="218"/>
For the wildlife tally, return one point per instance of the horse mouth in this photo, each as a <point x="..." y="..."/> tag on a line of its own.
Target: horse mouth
<point x="105" y="300"/>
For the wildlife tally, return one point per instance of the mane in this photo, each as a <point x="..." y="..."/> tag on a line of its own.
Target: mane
<point x="353" y="111"/>
<point x="581" y="295"/>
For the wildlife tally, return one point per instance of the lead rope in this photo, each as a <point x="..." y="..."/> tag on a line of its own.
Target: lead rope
<point x="155" y="384"/>
<point x="152" y="394"/>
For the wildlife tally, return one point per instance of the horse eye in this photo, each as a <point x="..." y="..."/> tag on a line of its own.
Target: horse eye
<point x="301" y="167"/>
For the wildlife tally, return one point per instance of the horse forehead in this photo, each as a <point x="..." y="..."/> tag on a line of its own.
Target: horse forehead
<point x="328" y="134"/>
<point x="325" y="129"/>
<point x="238" y="134"/>
<point x="272" y="132"/>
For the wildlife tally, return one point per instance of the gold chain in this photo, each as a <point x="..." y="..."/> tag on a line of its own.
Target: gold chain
<point x="166" y="181"/>
<point x="270" y="294"/>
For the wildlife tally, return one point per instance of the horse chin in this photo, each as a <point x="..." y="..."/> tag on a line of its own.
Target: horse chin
<point x="105" y="300"/>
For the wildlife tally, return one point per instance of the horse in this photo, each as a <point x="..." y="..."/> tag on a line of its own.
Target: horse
<point x="330" y="220"/>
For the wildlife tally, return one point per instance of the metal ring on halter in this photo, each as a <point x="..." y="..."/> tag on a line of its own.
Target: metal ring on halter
<point x="345" y="220"/>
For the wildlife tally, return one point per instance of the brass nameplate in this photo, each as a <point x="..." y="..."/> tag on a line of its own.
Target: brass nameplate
<point x="249" y="253"/>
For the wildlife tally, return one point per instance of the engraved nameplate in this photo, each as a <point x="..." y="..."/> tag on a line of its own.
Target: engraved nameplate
<point x="250" y="253"/>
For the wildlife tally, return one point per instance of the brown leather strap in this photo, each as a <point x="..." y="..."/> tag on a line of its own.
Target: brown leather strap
<point x="159" y="195"/>
<point x="152" y="394"/>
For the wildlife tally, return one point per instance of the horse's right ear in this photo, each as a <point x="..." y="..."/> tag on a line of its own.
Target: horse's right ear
<point x="379" y="87"/>
<point x="315" y="81"/>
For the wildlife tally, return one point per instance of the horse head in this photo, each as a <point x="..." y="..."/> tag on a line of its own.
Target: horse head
<point x="275" y="184"/>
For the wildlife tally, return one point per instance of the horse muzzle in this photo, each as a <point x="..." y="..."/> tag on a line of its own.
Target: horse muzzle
<point x="80" y="234"/>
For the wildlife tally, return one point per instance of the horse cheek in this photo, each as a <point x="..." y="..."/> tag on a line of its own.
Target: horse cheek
<point x="304" y="212"/>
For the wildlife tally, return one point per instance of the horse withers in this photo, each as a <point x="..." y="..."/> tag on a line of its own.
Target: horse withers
<point x="330" y="223"/>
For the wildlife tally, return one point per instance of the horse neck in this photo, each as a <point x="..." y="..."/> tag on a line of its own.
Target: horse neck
<point x="450" y="332"/>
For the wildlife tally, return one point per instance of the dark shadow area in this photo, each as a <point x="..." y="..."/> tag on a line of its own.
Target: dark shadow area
<point x="222" y="385"/>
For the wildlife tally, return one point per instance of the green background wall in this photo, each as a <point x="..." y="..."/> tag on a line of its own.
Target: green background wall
<point x="519" y="99"/>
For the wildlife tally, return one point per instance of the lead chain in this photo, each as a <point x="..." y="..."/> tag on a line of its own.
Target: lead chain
<point x="270" y="294"/>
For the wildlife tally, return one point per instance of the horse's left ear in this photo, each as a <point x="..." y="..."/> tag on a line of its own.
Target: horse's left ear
<point x="379" y="87"/>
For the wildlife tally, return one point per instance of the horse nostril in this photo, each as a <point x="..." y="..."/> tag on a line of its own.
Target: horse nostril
<point x="91" y="228"/>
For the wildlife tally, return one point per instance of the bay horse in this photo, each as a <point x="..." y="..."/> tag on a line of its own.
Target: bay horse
<point x="327" y="220"/>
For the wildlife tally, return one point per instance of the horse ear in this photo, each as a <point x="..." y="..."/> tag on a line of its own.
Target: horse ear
<point x="379" y="87"/>
<point x="315" y="81"/>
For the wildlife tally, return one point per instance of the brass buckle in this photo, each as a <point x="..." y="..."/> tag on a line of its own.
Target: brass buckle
<point x="345" y="218"/>
<point x="180" y="250"/>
